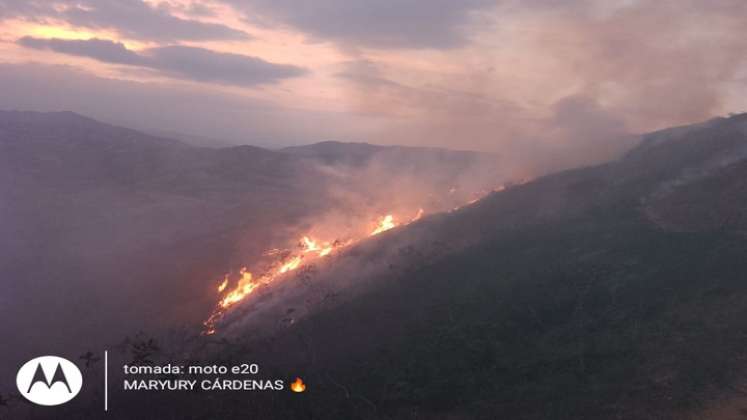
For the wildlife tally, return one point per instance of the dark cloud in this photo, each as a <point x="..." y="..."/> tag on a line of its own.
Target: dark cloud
<point x="206" y="65"/>
<point x="184" y="62"/>
<point x="380" y="23"/>
<point x="99" y="49"/>
<point x="136" y="19"/>
<point x="131" y="18"/>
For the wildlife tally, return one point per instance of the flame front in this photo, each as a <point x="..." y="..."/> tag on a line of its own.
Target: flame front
<point x="223" y="285"/>
<point x="287" y="260"/>
<point x="290" y="265"/>
<point x="243" y="288"/>
<point x="385" y="223"/>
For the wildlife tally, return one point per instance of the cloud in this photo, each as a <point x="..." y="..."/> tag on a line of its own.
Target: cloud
<point x="99" y="49"/>
<point x="191" y="9"/>
<point x="184" y="62"/>
<point x="209" y="66"/>
<point x="131" y="18"/>
<point x="164" y="107"/>
<point x="17" y="8"/>
<point x="378" y="24"/>
<point x="136" y="19"/>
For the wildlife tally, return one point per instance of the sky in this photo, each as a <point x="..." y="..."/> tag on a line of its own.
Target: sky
<point x="555" y="82"/>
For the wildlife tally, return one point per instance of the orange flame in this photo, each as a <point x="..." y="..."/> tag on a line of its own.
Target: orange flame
<point x="311" y="245"/>
<point x="223" y="285"/>
<point x="287" y="260"/>
<point x="385" y="223"/>
<point x="290" y="265"/>
<point x="298" y="385"/>
<point x="245" y="286"/>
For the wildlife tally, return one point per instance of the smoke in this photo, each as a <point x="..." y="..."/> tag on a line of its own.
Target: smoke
<point x="551" y="86"/>
<point x="401" y="182"/>
<point x="392" y="181"/>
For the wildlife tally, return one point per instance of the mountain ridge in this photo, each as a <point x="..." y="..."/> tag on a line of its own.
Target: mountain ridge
<point x="565" y="281"/>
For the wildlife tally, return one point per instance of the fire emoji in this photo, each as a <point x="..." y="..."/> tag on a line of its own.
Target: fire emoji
<point x="298" y="385"/>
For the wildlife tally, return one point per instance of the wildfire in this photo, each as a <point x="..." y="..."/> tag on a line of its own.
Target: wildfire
<point x="223" y="285"/>
<point x="325" y="251"/>
<point x="311" y="245"/>
<point x="290" y="265"/>
<point x="385" y="223"/>
<point x="243" y="288"/>
<point x="287" y="260"/>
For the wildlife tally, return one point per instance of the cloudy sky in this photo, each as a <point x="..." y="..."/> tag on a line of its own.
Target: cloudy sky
<point x="509" y="76"/>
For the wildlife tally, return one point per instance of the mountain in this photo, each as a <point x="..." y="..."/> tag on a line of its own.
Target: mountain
<point x="105" y="230"/>
<point x="614" y="291"/>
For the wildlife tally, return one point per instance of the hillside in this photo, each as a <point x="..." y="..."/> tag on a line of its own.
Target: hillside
<point x="614" y="291"/>
<point x="134" y="230"/>
<point x="573" y="296"/>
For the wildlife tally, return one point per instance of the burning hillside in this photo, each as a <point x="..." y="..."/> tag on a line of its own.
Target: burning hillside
<point x="282" y="261"/>
<point x="234" y="289"/>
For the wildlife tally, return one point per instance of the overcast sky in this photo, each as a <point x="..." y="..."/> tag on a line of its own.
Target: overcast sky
<point x="521" y="78"/>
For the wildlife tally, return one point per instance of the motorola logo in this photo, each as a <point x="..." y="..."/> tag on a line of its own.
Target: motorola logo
<point x="49" y="380"/>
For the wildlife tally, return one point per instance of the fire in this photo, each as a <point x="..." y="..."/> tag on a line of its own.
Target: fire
<point x="290" y="265"/>
<point x="311" y="245"/>
<point x="284" y="261"/>
<point x="326" y="251"/>
<point x="298" y="385"/>
<point x="385" y="223"/>
<point x="245" y="286"/>
<point x="223" y="285"/>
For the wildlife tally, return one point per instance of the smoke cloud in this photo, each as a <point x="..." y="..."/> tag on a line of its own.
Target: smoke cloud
<point x="557" y="85"/>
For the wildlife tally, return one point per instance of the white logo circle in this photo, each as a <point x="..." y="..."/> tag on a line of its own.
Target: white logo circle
<point x="49" y="380"/>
